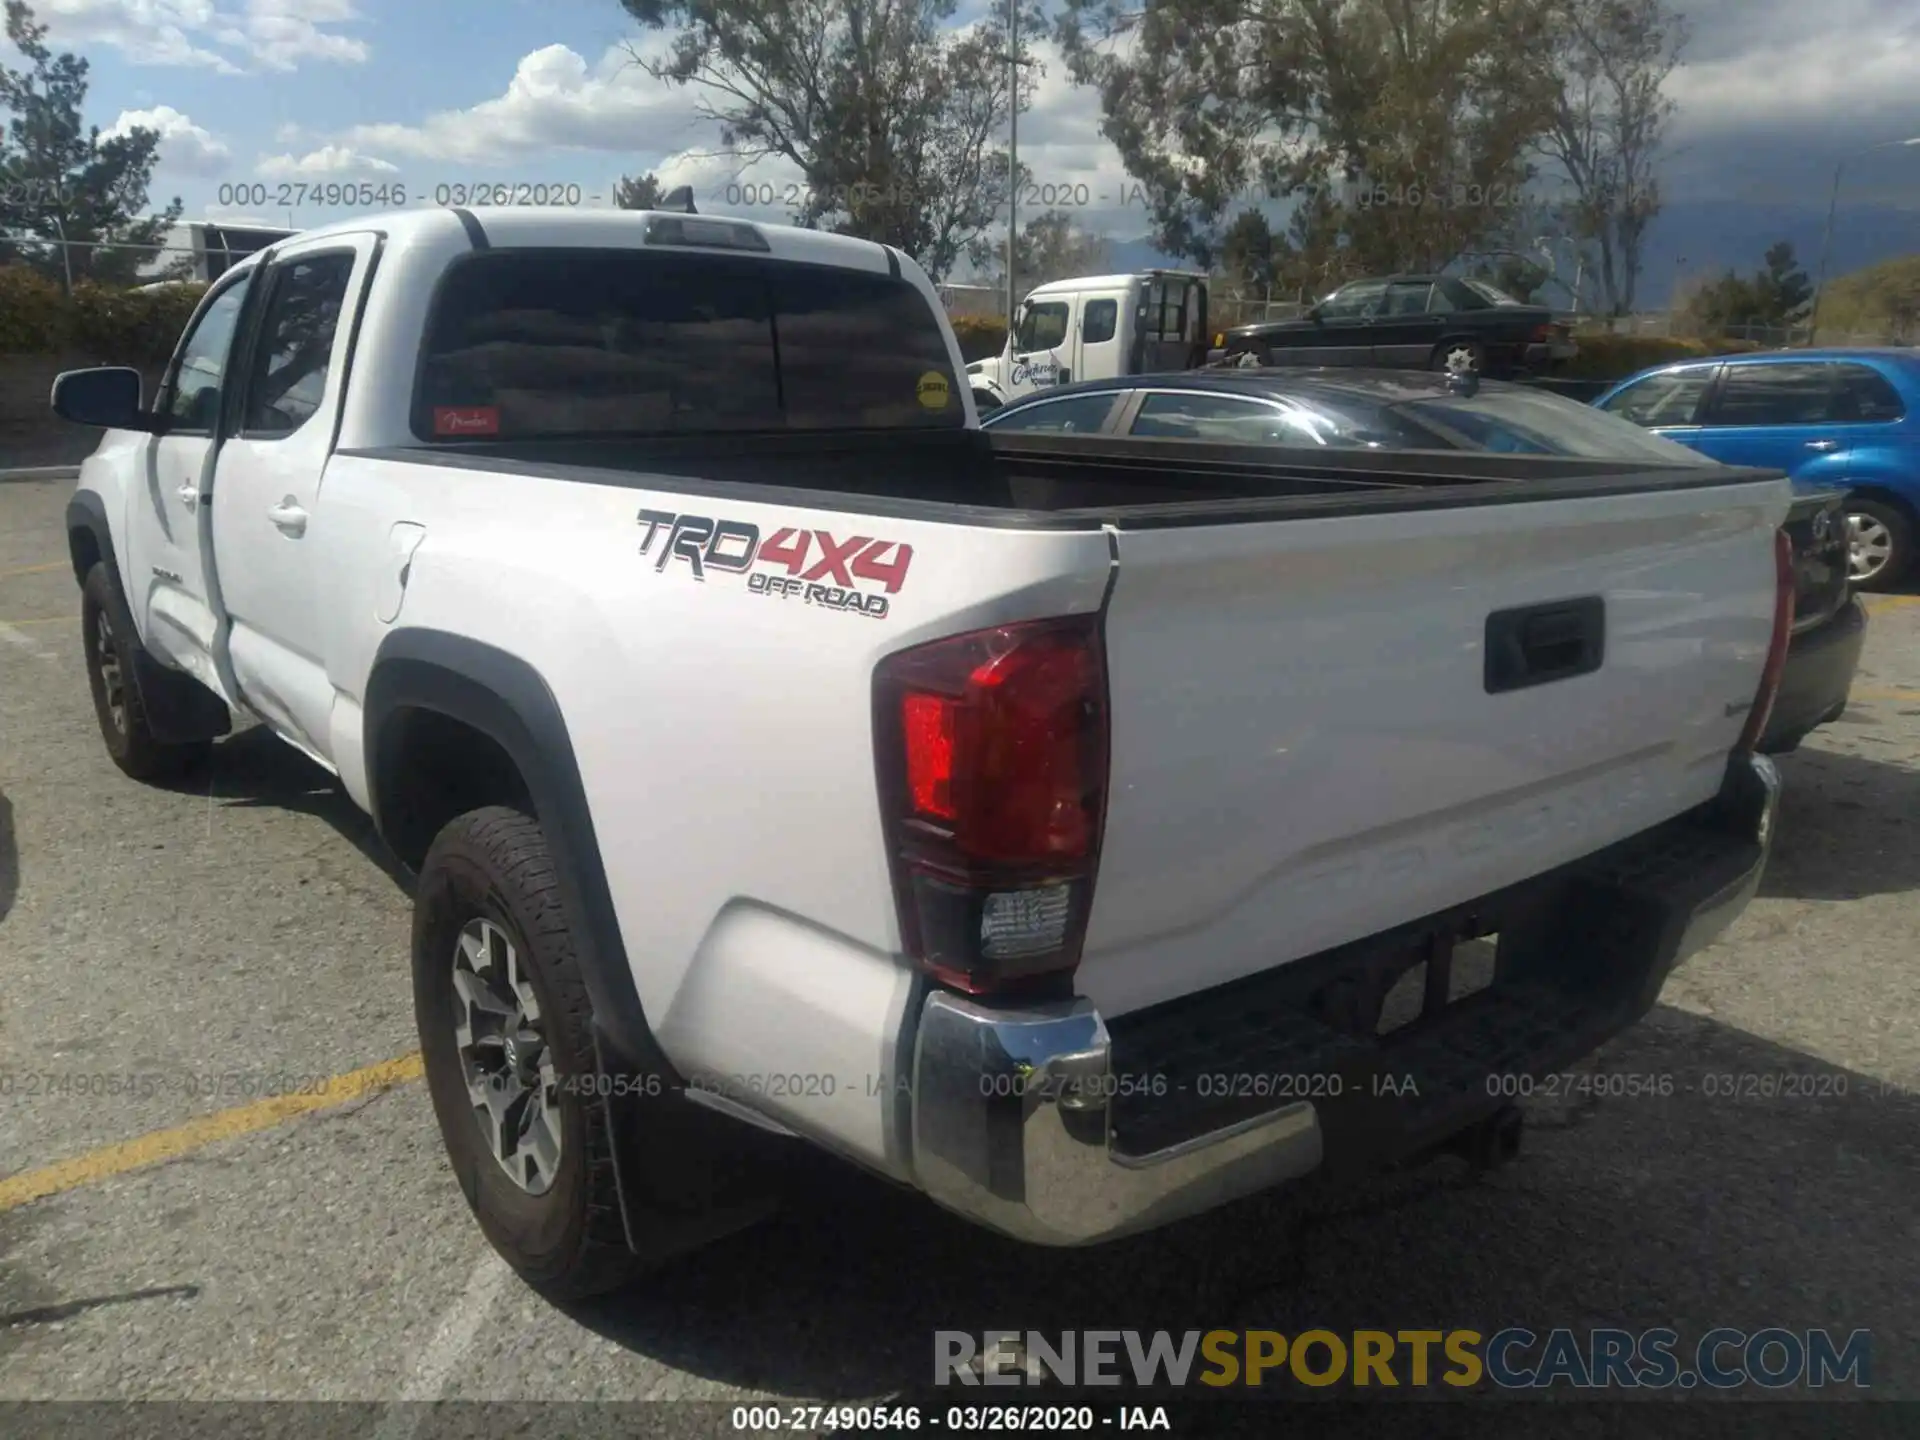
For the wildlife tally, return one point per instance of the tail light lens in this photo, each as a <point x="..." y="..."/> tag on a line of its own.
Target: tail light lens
<point x="992" y="749"/>
<point x="1543" y="333"/>
<point x="1783" y="587"/>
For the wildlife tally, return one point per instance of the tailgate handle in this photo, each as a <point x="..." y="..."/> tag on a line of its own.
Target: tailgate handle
<point x="1537" y="644"/>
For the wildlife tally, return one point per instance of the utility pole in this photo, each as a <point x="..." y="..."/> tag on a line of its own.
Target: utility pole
<point x="1013" y="159"/>
<point x="1826" y="240"/>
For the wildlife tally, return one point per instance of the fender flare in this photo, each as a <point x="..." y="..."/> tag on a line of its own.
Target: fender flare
<point x="507" y="700"/>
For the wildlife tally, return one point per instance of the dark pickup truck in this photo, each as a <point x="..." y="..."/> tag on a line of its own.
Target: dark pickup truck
<point x="1829" y="626"/>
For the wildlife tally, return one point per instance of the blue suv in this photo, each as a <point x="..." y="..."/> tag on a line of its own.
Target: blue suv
<point x="1843" y="419"/>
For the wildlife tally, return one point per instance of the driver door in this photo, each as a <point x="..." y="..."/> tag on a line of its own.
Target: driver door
<point x="1340" y="327"/>
<point x="168" y="530"/>
<point x="1044" y="328"/>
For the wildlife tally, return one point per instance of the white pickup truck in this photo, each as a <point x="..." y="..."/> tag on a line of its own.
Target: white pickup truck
<point x="1040" y="822"/>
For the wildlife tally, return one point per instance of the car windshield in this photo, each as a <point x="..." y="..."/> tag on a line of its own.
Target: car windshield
<point x="1520" y="421"/>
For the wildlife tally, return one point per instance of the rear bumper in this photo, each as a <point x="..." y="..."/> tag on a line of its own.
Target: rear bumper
<point x="1819" y="673"/>
<point x="1054" y="1126"/>
<point x="1539" y="357"/>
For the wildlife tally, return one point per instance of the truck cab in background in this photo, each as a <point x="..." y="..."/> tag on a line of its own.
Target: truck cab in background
<point x="1097" y="327"/>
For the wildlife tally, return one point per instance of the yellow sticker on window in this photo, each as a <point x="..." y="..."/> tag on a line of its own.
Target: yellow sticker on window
<point x="933" y="390"/>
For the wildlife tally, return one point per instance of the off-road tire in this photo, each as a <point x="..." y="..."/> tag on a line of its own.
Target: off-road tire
<point x="106" y="630"/>
<point x="494" y="864"/>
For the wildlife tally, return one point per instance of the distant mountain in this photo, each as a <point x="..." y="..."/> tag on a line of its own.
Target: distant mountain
<point x="1690" y="239"/>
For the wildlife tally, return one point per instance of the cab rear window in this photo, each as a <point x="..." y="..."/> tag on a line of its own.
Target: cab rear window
<point x="531" y="344"/>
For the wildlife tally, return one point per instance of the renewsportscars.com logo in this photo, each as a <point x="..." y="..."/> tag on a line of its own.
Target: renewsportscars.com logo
<point x="1515" y="1358"/>
<point x="819" y="568"/>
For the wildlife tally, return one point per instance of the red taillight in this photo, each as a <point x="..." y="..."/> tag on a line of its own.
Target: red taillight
<point x="1543" y="333"/>
<point x="993" y="772"/>
<point x="1783" y="587"/>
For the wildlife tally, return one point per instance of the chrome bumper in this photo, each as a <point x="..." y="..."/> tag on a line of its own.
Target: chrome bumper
<point x="1010" y="1129"/>
<point x="1011" y="1108"/>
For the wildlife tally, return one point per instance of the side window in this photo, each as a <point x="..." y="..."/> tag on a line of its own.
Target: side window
<point x="1076" y="415"/>
<point x="1407" y="298"/>
<point x="1101" y="320"/>
<point x="1784" y="393"/>
<point x="1230" y="419"/>
<point x="1671" y="398"/>
<point x="1353" y="302"/>
<point x="1864" y="394"/>
<point x="193" y="389"/>
<point x="1044" y="326"/>
<point x="289" y="371"/>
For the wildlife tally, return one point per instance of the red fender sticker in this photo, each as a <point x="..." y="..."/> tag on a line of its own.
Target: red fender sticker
<point x="466" y="420"/>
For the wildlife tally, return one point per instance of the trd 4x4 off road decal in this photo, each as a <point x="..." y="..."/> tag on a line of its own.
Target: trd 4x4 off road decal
<point x="814" y="566"/>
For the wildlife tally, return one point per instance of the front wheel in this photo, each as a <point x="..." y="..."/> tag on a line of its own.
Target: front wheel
<point x="106" y="629"/>
<point x="1879" y="544"/>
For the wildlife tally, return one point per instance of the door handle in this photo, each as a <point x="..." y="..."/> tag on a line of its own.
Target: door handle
<point x="288" y="518"/>
<point x="1823" y="445"/>
<point x="188" y="495"/>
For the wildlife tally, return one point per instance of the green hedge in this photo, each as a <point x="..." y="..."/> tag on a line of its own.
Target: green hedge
<point x="132" y="327"/>
<point x="1614" y="357"/>
<point x="980" y="336"/>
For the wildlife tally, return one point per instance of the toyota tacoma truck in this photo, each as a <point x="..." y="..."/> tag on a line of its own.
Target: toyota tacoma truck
<point x="1041" y="822"/>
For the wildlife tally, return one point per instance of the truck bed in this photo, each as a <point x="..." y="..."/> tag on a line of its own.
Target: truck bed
<point x="1066" y="481"/>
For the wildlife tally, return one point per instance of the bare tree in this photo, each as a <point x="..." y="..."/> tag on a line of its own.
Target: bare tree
<point x="1613" y="58"/>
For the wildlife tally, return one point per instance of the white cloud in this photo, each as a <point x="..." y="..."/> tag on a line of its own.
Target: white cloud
<point x="262" y="34"/>
<point x="185" y="147"/>
<point x="280" y="33"/>
<point x="327" y="160"/>
<point x="555" y="101"/>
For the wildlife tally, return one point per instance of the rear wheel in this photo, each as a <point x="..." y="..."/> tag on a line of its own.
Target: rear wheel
<point x="107" y="632"/>
<point x="505" y="1029"/>
<point x="1468" y="357"/>
<point x="1879" y="544"/>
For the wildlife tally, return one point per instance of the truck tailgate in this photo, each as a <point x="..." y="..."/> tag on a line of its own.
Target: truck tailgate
<point x="1310" y="745"/>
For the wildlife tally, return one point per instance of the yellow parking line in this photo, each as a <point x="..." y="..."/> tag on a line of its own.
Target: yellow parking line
<point x="1861" y="692"/>
<point x="1889" y="602"/>
<point x="152" y="1148"/>
<point x="42" y="620"/>
<point x="37" y="569"/>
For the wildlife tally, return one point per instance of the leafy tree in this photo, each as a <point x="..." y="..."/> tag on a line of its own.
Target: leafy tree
<point x="1248" y="255"/>
<point x="60" y="181"/>
<point x="891" y="118"/>
<point x="1050" y="247"/>
<point x="1778" y="294"/>
<point x="638" y="192"/>
<point x="1782" y="288"/>
<point x="1612" y="59"/>
<point x="1402" y="119"/>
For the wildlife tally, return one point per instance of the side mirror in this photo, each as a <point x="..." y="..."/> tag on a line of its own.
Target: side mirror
<point x="107" y="397"/>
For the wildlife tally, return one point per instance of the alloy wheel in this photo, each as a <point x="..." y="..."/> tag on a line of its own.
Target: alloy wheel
<point x="106" y="659"/>
<point x="512" y="1084"/>
<point x="1869" y="547"/>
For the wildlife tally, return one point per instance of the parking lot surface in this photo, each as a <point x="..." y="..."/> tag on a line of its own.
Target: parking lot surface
<point x="189" y="1237"/>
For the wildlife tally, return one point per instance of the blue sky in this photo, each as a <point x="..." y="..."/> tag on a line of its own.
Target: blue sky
<point x="257" y="93"/>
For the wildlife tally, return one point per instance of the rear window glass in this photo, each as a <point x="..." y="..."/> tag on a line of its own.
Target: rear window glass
<point x="528" y="344"/>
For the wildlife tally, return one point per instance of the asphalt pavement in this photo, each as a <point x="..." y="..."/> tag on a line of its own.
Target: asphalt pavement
<point x="238" y="945"/>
